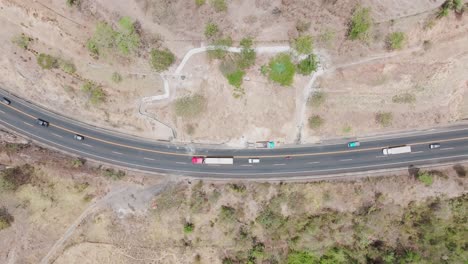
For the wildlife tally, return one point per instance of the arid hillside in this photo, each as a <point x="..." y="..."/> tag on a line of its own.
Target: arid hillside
<point x="300" y="71"/>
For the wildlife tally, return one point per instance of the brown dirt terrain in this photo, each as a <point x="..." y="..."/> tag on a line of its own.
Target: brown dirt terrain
<point x="266" y="111"/>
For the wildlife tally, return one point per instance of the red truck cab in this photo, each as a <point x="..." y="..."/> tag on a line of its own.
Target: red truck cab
<point x="197" y="160"/>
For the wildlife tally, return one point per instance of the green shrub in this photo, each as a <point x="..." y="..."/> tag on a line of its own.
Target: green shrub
<point x="114" y="174"/>
<point x="211" y="30"/>
<point x="281" y="70"/>
<point x="316" y="121"/>
<point x="384" y="118"/>
<point x="444" y="9"/>
<point x="77" y="163"/>
<point x="395" y="40"/>
<point x="116" y="77"/>
<point x="200" y="2"/>
<point x="227" y="214"/>
<point x="271" y="220"/>
<point x="161" y="60"/>
<point x="127" y="39"/>
<point x="219" y="5"/>
<point x="303" y="44"/>
<point x="67" y="66"/>
<point x="220" y="48"/>
<point x="404" y="98"/>
<point x="426" y="178"/>
<point x="360" y="24"/>
<point x="190" y="106"/>
<point x="235" y="78"/>
<point x="239" y="188"/>
<point x="317" y="99"/>
<point x="12" y="178"/>
<point x="22" y="41"/>
<point x="5" y="218"/>
<point x="47" y="61"/>
<point x="71" y="3"/>
<point x="458" y="5"/>
<point x="94" y="92"/>
<point x="188" y="228"/>
<point x="307" y="65"/>
<point x="302" y="257"/>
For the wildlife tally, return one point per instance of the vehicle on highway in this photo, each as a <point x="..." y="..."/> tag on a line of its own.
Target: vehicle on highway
<point x="288" y="157"/>
<point x="6" y="101"/>
<point x="213" y="160"/>
<point x="42" y="122"/>
<point x="254" y="160"/>
<point x="78" y="137"/>
<point x="396" y="150"/>
<point x="434" y="145"/>
<point x="354" y="144"/>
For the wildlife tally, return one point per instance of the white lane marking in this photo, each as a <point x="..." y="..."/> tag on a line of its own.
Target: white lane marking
<point x="27" y="124"/>
<point x="178" y="162"/>
<point x="57" y="135"/>
<point x="346" y="159"/>
<point x="230" y="173"/>
<point x="446" y="148"/>
<point x="416" y="152"/>
<point x="2" y="111"/>
<point x="118" y="153"/>
<point x="87" y="145"/>
<point x="148" y="158"/>
<point x="279" y="164"/>
<point x="313" y="162"/>
<point x="246" y="165"/>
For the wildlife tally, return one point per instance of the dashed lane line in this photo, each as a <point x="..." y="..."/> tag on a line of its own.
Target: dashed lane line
<point x="57" y="135"/>
<point x="118" y="153"/>
<point x="26" y="123"/>
<point x="346" y="159"/>
<point x="148" y="158"/>
<point x="446" y="148"/>
<point x="279" y="164"/>
<point x="88" y="145"/>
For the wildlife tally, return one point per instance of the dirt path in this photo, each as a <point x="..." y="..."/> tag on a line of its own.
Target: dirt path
<point x="123" y="201"/>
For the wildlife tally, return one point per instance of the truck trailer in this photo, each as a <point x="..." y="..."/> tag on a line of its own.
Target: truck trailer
<point x="396" y="150"/>
<point x="213" y="160"/>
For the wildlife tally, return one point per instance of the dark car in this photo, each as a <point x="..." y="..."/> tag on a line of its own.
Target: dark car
<point x="78" y="137"/>
<point x="6" y="101"/>
<point x="434" y="145"/>
<point x="42" y="122"/>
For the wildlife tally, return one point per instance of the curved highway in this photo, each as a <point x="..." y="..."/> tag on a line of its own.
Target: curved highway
<point x="162" y="157"/>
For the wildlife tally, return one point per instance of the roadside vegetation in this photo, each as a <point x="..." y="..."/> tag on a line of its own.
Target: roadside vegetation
<point x="384" y="119"/>
<point x="219" y="5"/>
<point x="404" y="98"/>
<point x="457" y="6"/>
<point x="199" y="3"/>
<point x="116" y="77"/>
<point x="94" y="92"/>
<point x="307" y="65"/>
<point x="316" y="122"/>
<point x="317" y="99"/>
<point x="5" y="218"/>
<point x="426" y="178"/>
<point x="360" y="24"/>
<point x="190" y="106"/>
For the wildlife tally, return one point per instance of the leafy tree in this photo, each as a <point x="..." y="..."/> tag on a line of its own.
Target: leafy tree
<point x="360" y="24"/>
<point x="161" y="60"/>
<point x="67" y="66"/>
<point x="307" y="65"/>
<point x="247" y="55"/>
<point x="220" y="48"/>
<point x="281" y="70"/>
<point x="235" y="78"/>
<point x="95" y="93"/>
<point x="303" y="44"/>
<point x="127" y="39"/>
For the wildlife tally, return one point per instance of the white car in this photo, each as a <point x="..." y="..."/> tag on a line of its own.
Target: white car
<point x="254" y="160"/>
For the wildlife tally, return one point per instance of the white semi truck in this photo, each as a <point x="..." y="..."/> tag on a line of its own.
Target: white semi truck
<point x="396" y="150"/>
<point x="213" y="160"/>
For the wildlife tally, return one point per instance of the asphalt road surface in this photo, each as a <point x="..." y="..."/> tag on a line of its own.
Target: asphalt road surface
<point x="163" y="157"/>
